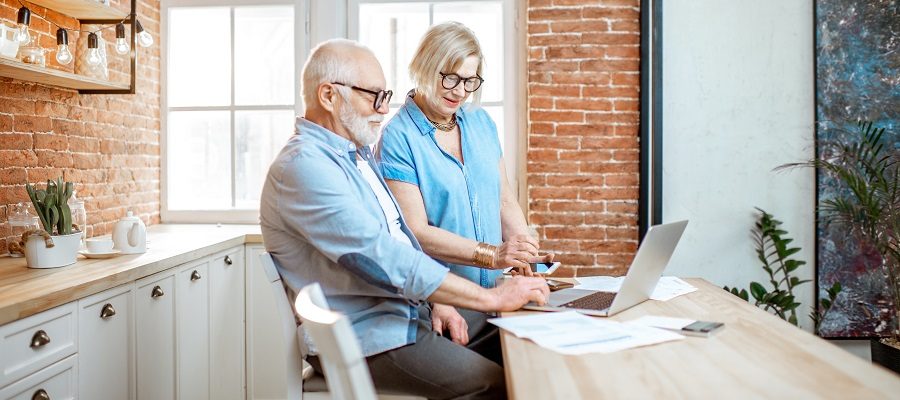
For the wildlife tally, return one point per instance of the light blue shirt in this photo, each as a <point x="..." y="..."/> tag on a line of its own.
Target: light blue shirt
<point x="460" y="197"/>
<point x="321" y="222"/>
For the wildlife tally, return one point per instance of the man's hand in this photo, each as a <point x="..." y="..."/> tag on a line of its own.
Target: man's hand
<point x="517" y="291"/>
<point x="446" y="317"/>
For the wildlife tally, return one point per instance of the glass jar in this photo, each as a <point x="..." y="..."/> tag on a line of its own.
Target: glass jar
<point x="20" y="220"/>
<point x="79" y="214"/>
<point x="33" y="54"/>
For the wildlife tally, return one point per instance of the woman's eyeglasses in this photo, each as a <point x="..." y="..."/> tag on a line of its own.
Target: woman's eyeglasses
<point x="451" y="81"/>
<point x="381" y="96"/>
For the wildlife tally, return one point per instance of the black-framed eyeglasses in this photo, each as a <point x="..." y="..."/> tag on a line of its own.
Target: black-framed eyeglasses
<point x="381" y="96"/>
<point x="451" y="81"/>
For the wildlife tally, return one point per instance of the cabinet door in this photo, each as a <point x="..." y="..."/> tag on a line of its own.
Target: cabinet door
<point x="192" y="311"/>
<point x="226" y="294"/>
<point x="155" y="336"/>
<point x="105" y="332"/>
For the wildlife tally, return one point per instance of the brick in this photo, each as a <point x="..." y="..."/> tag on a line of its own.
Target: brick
<point x="15" y="141"/>
<point x="554" y="39"/>
<point x="552" y="142"/>
<point x="583" y="206"/>
<point x="586" y="155"/>
<point x="610" y="65"/>
<point x="555" y="65"/>
<point x="607" y="12"/>
<point x="553" y="14"/>
<point x="584" y="104"/>
<point x="12" y="176"/>
<point x="51" y="158"/>
<point x="28" y="123"/>
<point x="575" y="232"/>
<point x="611" y="92"/>
<point x="626" y="79"/>
<point x="18" y="158"/>
<point x="584" y="129"/>
<point x="535" y="28"/>
<point x="38" y="175"/>
<point x="575" y="180"/>
<point x="608" y="193"/>
<point x="623" y="207"/>
<point x="543" y="155"/>
<point x="6" y="124"/>
<point x="538" y="167"/>
<point x="50" y="141"/>
<point x="557" y="116"/>
<point x="609" y="143"/>
<point x="588" y="79"/>
<point x="579" y="26"/>
<point x="610" y="220"/>
<point x="626" y="105"/>
<point x="540" y="103"/>
<point x="609" y="167"/>
<point x="554" y="90"/>
<point x="554" y="193"/>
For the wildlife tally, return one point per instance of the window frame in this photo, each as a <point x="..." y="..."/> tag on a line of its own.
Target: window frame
<point x="232" y="215"/>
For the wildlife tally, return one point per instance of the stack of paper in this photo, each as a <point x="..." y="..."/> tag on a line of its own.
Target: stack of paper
<point x="668" y="288"/>
<point x="573" y="333"/>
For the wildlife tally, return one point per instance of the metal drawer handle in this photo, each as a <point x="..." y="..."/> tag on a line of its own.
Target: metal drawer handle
<point x="41" y="394"/>
<point x="157" y="292"/>
<point x="39" y="339"/>
<point x="107" y="311"/>
<point x="228" y="260"/>
<point x="195" y="276"/>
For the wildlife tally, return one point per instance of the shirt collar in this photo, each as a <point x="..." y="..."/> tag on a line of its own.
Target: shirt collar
<point x="335" y="142"/>
<point x="418" y="117"/>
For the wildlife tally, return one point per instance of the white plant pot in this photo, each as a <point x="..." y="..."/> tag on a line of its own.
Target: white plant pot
<point x="64" y="252"/>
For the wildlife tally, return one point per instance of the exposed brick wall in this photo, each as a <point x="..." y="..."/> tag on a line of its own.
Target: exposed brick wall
<point x="107" y="144"/>
<point x="583" y="150"/>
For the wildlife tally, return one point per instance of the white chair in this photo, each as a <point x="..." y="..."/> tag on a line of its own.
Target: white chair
<point x="315" y="387"/>
<point x="289" y="344"/>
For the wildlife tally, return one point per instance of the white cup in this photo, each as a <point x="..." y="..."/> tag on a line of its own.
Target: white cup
<point x="99" y="245"/>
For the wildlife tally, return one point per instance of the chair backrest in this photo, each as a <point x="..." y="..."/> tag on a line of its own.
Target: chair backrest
<point x="345" y="367"/>
<point x="290" y="344"/>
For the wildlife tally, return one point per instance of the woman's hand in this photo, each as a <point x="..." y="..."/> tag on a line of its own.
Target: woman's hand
<point x="517" y="252"/>
<point x="444" y="317"/>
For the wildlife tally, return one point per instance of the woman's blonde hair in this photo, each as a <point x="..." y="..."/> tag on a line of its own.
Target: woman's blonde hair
<point x="444" y="48"/>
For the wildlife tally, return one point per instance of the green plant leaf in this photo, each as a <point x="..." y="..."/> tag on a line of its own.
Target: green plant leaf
<point x="757" y="290"/>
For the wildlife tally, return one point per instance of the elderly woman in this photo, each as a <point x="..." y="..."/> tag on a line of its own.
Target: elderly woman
<point x="443" y="163"/>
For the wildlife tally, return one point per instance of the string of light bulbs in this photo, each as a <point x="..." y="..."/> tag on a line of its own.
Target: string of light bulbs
<point x="63" y="55"/>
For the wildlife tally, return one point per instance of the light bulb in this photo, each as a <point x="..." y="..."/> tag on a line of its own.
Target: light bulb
<point x="23" y="18"/>
<point x="93" y="57"/>
<point x="63" y="56"/>
<point x="143" y="38"/>
<point x="93" y="51"/>
<point x="121" y="44"/>
<point x="23" y="36"/>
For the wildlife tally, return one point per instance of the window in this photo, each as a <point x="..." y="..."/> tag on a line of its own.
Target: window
<point x="229" y="99"/>
<point x="392" y="29"/>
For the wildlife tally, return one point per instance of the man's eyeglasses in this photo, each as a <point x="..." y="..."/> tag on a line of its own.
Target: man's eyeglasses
<point x="451" y="81"/>
<point x="381" y="96"/>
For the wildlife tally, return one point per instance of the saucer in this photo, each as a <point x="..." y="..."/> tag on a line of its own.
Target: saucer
<point x="109" y="254"/>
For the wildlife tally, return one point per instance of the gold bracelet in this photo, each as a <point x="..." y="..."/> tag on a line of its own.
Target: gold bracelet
<point x="484" y="255"/>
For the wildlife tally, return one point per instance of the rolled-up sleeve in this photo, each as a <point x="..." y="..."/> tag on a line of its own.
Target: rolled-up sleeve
<point x="315" y="200"/>
<point x="395" y="157"/>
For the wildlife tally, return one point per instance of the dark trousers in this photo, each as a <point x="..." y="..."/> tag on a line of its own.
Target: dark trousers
<point x="436" y="368"/>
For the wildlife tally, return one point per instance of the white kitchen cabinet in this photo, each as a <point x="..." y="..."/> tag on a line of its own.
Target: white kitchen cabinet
<point x="32" y="343"/>
<point x="58" y="381"/>
<point x="192" y="344"/>
<point x="226" y="324"/>
<point x="106" y="345"/>
<point x="154" y="304"/>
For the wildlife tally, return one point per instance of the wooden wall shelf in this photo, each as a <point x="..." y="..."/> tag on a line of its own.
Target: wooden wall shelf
<point x="16" y="69"/>
<point x="81" y="9"/>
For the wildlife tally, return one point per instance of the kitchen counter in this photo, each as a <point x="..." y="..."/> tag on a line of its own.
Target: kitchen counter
<point x="25" y="291"/>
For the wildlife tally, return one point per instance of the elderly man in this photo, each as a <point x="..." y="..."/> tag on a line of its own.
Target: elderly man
<point x="327" y="217"/>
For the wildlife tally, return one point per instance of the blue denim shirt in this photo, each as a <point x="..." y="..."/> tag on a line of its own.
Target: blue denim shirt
<point x="460" y="197"/>
<point x="321" y="222"/>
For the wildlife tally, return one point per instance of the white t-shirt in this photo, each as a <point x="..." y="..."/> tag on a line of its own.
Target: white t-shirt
<point x="390" y="211"/>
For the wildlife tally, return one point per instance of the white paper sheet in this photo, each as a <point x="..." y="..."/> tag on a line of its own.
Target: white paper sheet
<point x="668" y="288"/>
<point x="572" y="333"/>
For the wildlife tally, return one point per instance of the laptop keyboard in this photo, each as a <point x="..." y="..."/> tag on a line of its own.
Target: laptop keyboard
<point x="594" y="301"/>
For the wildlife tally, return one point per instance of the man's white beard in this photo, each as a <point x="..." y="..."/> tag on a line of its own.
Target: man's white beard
<point x="359" y="127"/>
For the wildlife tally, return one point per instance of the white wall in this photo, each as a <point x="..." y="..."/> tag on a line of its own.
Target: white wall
<point x="737" y="102"/>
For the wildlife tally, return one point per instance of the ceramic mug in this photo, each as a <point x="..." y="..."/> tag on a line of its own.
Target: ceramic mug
<point x="99" y="245"/>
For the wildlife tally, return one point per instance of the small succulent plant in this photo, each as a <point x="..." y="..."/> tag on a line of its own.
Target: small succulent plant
<point x="52" y="205"/>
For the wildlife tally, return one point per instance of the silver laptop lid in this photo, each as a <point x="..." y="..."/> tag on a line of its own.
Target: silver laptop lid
<point x="649" y="262"/>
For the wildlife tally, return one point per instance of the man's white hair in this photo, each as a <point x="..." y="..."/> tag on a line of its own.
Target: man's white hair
<point x="331" y="61"/>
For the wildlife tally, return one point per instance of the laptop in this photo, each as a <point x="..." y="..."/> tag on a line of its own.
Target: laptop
<point x="646" y="269"/>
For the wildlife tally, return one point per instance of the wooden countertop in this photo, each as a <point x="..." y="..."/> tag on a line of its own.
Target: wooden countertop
<point x="25" y="291"/>
<point x="756" y="356"/>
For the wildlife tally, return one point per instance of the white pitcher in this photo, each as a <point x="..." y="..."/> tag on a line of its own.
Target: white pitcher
<point x="130" y="235"/>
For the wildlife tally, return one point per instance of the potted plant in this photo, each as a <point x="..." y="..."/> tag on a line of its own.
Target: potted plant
<point x="57" y="244"/>
<point x="869" y="209"/>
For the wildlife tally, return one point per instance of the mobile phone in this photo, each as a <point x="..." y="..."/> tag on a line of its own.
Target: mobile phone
<point x="557" y="285"/>
<point x="704" y="327"/>
<point x="545" y="268"/>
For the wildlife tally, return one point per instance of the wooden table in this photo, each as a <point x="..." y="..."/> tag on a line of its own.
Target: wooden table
<point x="757" y="355"/>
